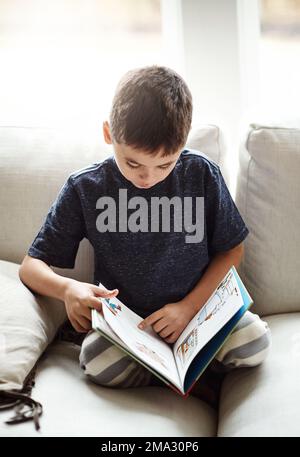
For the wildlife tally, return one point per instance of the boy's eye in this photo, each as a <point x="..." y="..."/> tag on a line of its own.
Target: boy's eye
<point x="162" y="167"/>
<point x="132" y="166"/>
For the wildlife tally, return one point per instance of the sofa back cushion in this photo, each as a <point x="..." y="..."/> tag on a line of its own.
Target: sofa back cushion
<point x="28" y="324"/>
<point x="35" y="162"/>
<point x="268" y="197"/>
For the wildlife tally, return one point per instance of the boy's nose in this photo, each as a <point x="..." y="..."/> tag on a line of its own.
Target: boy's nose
<point x="145" y="179"/>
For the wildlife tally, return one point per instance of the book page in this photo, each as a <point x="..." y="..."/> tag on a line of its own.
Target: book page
<point x="98" y="322"/>
<point x="146" y="344"/>
<point x="101" y="326"/>
<point x="225" y="301"/>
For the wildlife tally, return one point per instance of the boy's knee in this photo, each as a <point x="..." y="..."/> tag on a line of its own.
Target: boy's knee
<point x="265" y="346"/>
<point x="108" y="366"/>
<point x="92" y="345"/>
<point x="260" y="349"/>
<point x="93" y="357"/>
<point x="249" y="346"/>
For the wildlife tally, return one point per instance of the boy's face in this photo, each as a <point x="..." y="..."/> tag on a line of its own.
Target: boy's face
<point x="143" y="170"/>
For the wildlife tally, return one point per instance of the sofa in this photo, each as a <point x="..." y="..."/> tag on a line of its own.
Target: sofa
<point x="258" y="401"/>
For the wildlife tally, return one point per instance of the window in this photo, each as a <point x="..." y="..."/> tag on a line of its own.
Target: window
<point x="280" y="57"/>
<point x="61" y="59"/>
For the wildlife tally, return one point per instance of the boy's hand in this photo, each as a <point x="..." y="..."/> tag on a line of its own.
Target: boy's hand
<point x="80" y="298"/>
<point x="170" y="321"/>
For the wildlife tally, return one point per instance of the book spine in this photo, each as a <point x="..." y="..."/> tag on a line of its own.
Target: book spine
<point x="177" y="391"/>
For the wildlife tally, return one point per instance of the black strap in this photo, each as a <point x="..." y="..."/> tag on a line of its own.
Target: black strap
<point x="26" y="408"/>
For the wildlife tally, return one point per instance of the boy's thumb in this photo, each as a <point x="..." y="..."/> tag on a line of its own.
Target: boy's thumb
<point x="110" y="292"/>
<point x="101" y="291"/>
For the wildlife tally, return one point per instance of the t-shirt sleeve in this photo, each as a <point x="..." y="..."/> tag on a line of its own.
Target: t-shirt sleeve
<point x="225" y="226"/>
<point x="58" y="240"/>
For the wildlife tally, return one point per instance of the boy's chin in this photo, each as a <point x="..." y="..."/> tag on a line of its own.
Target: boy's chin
<point x="142" y="187"/>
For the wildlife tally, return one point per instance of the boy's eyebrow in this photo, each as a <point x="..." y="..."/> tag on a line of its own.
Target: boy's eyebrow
<point x="137" y="163"/>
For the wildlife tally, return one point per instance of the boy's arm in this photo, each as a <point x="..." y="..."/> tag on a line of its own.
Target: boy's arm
<point x="40" y="278"/>
<point x="79" y="297"/>
<point x="172" y="319"/>
<point x="214" y="273"/>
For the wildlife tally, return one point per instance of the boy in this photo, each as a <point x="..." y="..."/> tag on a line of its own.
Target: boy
<point x="160" y="271"/>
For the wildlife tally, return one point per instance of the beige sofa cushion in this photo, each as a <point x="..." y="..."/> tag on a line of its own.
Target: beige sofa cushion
<point x="74" y="406"/>
<point x="210" y="140"/>
<point x="268" y="197"/>
<point x="28" y="324"/>
<point x="265" y="400"/>
<point x="34" y="163"/>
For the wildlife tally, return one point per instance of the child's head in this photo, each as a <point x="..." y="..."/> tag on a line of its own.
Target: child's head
<point x="149" y="123"/>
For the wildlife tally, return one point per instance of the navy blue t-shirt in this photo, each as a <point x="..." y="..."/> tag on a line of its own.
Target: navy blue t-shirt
<point x="149" y="268"/>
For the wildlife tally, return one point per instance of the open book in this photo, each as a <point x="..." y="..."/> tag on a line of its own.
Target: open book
<point x="180" y="364"/>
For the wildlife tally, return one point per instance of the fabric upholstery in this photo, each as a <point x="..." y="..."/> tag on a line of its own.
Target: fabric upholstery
<point x="28" y="324"/>
<point x="265" y="400"/>
<point x="75" y="407"/>
<point x="268" y="197"/>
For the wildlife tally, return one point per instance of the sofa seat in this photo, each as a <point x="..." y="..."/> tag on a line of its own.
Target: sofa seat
<point x="265" y="400"/>
<point x="74" y="406"/>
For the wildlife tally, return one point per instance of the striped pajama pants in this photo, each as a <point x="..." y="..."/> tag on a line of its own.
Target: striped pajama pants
<point x="107" y="365"/>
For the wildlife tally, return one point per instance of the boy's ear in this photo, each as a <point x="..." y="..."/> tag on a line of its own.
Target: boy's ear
<point x="106" y="133"/>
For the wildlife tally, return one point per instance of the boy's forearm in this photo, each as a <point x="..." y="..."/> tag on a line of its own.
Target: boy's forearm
<point x="41" y="279"/>
<point x="214" y="273"/>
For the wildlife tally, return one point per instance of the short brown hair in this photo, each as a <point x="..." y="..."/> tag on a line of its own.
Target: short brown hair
<point x="152" y="109"/>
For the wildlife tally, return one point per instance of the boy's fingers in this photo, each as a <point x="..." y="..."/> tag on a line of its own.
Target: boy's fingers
<point x="149" y="320"/>
<point x="77" y="326"/>
<point x="84" y="323"/>
<point x="104" y="292"/>
<point x="94" y="302"/>
<point x="87" y="312"/>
